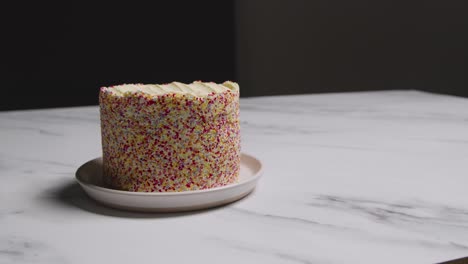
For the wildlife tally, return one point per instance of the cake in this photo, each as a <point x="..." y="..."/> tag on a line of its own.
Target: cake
<point x="171" y="137"/>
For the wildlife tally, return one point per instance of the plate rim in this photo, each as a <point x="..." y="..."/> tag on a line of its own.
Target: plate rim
<point x="257" y="175"/>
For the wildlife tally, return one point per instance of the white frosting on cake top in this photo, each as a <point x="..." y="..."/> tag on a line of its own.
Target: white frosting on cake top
<point x="196" y="88"/>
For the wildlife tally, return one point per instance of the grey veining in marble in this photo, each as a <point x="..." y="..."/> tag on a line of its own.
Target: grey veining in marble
<point x="370" y="177"/>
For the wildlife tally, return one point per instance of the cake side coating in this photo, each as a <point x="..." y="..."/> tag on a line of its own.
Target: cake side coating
<point x="170" y="141"/>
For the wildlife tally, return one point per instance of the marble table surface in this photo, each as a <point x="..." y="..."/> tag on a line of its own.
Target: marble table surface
<point x="367" y="177"/>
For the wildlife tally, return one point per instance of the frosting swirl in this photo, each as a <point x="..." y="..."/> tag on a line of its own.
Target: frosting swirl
<point x="197" y="88"/>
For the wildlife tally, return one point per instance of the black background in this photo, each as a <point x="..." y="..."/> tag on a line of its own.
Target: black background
<point x="303" y="46"/>
<point x="59" y="53"/>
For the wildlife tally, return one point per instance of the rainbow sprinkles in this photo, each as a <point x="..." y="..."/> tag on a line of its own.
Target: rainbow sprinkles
<point x="170" y="138"/>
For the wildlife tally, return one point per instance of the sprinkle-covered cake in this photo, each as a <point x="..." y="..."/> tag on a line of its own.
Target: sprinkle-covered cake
<point x="170" y="137"/>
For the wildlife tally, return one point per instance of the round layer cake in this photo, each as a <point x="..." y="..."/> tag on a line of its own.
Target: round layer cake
<point x="170" y="137"/>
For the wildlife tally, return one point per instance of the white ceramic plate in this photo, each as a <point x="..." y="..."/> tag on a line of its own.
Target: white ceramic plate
<point x="89" y="176"/>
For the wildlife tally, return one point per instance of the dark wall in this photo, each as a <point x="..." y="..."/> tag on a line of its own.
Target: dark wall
<point x="304" y="46"/>
<point x="59" y="54"/>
